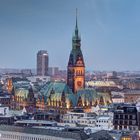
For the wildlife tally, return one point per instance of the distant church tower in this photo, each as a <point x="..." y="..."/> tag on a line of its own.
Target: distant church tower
<point x="76" y="66"/>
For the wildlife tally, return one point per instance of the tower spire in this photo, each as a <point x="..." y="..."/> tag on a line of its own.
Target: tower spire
<point x="76" y="80"/>
<point x="76" y="26"/>
<point x="76" y="18"/>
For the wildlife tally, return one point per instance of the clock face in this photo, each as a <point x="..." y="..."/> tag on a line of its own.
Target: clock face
<point x="79" y="83"/>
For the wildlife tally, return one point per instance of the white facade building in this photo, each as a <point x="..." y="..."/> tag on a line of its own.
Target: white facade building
<point x="79" y="118"/>
<point x="104" y="122"/>
<point x="4" y="110"/>
<point x="117" y="97"/>
<point x="100" y="122"/>
<point x="39" y="79"/>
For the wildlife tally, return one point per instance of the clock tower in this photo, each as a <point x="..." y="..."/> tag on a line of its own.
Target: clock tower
<point x="76" y="65"/>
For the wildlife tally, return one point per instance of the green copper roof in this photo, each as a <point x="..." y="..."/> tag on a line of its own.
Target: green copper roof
<point x="55" y="91"/>
<point x="87" y="94"/>
<point x="57" y="87"/>
<point x="21" y="84"/>
<point x="106" y="96"/>
<point x="90" y="95"/>
<point x="21" y="92"/>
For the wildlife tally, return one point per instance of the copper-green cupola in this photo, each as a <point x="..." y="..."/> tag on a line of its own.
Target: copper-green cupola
<point x="76" y="40"/>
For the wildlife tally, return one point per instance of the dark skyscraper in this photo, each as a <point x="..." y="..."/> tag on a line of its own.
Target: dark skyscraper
<point x="42" y="63"/>
<point x="76" y="66"/>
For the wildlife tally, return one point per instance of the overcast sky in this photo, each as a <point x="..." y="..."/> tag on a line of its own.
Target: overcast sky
<point x="110" y="32"/>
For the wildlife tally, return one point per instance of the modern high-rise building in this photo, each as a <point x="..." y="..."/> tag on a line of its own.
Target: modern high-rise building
<point x="42" y="63"/>
<point x="53" y="71"/>
<point x="76" y="66"/>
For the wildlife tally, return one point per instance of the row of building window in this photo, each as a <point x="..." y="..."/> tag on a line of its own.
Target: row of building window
<point x="126" y="122"/>
<point x="125" y="116"/>
<point x="103" y="121"/>
<point x="120" y="127"/>
<point x="20" y="137"/>
<point x="90" y="122"/>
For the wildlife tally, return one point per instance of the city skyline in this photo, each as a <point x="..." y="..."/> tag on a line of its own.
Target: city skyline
<point x="109" y="33"/>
